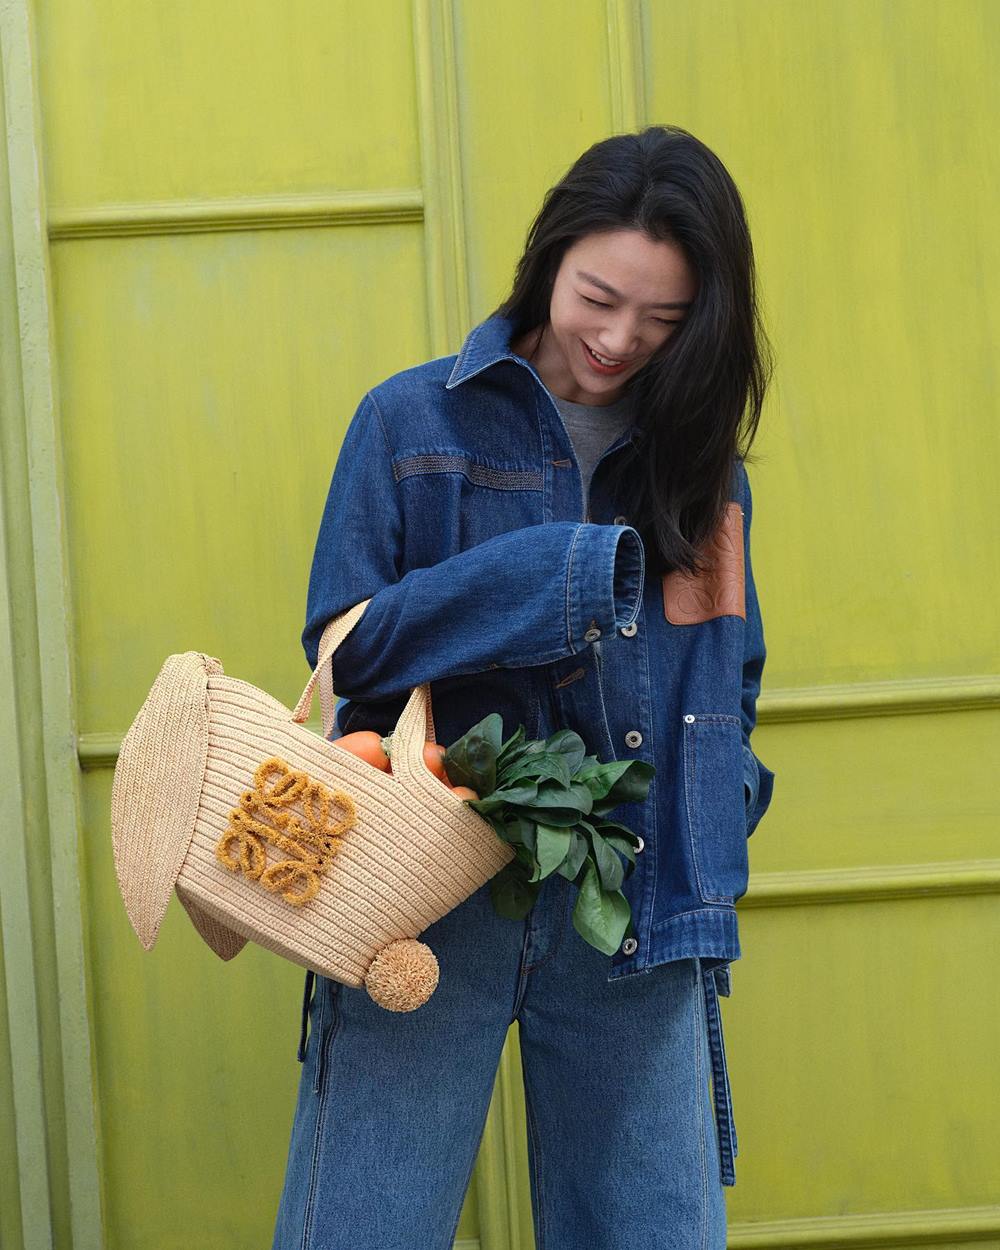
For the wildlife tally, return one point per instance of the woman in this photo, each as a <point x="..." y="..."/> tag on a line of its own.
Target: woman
<point x="554" y="525"/>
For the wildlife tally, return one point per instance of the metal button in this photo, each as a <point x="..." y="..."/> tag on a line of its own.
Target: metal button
<point x="642" y="844"/>
<point x="689" y="718"/>
<point x="592" y="635"/>
<point x="633" y="738"/>
<point x="630" y="631"/>
<point x="630" y="946"/>
<point x="621" y="520"/>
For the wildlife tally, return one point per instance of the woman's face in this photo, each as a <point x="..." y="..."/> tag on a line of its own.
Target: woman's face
<point x="620" y="294"/>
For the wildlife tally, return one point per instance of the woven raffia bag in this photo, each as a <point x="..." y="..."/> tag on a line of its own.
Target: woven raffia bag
<point x="272" y="834"/>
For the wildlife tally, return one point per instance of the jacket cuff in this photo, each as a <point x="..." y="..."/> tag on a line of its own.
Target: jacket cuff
<point x="604" y="581"/>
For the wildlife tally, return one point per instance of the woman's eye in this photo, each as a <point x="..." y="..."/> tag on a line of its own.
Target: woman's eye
<point x="597" y="303"/>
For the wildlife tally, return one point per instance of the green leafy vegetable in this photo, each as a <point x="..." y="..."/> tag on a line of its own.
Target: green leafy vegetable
<point x="548" y="799"/>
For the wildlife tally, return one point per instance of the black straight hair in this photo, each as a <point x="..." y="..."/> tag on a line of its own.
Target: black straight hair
<point x="698" y="399"/>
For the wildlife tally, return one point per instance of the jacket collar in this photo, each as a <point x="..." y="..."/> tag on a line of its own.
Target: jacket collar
<point x="485" y="345"/>
<point x="488" y="343"/>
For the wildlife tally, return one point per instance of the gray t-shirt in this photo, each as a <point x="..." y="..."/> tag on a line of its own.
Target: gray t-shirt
<point x="592" y="429"/>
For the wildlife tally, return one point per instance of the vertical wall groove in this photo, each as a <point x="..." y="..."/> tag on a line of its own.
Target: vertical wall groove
<point x="626" y="72"/>
<point x="445" y="263"/>
<point x="448" y="319"/>
<point x="57" y="1163"/>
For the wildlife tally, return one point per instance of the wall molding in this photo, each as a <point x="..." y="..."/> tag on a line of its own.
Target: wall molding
<point x="812" y="703"/>
<point x="446" y="265"/>
<point x="56" y="1181"/>
<point x="894" y="697"/>
<point x="870" y="883"/>
<point x="272" y="212"/>
<point x="626" y="65"/>
<point x="880" y="1228"/>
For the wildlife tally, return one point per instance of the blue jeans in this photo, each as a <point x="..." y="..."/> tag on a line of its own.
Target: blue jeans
<point x="391" y="1107"/>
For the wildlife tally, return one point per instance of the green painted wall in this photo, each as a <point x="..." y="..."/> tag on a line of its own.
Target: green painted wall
<point x="220" y="225"/>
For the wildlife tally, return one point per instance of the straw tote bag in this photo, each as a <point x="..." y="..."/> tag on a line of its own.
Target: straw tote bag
<point x="269" y="833"/>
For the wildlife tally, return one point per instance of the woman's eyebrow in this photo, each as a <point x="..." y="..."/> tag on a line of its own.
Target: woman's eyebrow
<point x="610" y="290"/>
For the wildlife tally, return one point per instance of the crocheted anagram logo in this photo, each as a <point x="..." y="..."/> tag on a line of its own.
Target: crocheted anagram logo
<point x="291" y="811"/>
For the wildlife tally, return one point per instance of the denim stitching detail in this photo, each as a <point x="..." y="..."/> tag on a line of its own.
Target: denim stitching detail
<point x="321" y="1085"/>
<point x="725" y="1126"/>
<point x="319" y="1032"/>
<point x="554" y="948"/>
<point x="569" y="588"/>
<point x="381" y="420"/>
<point x="472" y="1167"/>
<point x="700" y="1089"/>
<point x="536" y="1167"/>
<point x="478" y="474"/>
<point x="690" y="757"/>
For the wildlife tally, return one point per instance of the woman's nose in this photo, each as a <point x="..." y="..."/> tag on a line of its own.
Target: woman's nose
<point x="620" y="341"/>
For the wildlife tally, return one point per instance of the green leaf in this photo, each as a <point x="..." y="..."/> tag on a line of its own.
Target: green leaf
<point x="630" y="786"/>
<point x="578" y="851"/>
<point x="564" y="817"/>
<point x="575" y="795"/>
<point x="625" y="847"/>
<point x="512" y="896"/>
<point x="519" y="794"/>
<point x="551" y="848"/>
<point x="472" y="760"/>
<point x="609" y="866"/>
<point x="600" y="918"/>
<point x="540" y="768"/>
<point x="512" y="743"/>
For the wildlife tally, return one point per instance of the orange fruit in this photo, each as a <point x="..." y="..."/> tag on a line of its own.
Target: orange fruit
<point x="434" y="754"/>
<point x="366" y="744"/>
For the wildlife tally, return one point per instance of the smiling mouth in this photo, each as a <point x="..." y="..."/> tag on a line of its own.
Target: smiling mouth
<point x="604" y="360"/>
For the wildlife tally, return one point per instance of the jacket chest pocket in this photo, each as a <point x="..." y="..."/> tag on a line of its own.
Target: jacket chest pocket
<point x="716" y="805"/>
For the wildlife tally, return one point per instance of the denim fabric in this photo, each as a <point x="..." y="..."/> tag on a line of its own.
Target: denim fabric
<point x="457" y="507"/>
<point x="622" y="1147"/>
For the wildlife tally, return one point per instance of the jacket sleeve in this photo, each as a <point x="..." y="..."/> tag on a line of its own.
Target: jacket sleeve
<point x="521" y="598"/>
<point x="758" y="779"/>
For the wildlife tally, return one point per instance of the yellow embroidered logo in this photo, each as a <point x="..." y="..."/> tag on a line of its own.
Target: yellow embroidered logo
<point x="268" y="813"/>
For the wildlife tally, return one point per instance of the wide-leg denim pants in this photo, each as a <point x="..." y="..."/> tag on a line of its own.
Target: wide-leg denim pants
<point x="622" y="1142"/>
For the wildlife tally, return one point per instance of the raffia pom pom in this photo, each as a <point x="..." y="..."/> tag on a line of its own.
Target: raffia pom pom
<point x="403" y="975"/>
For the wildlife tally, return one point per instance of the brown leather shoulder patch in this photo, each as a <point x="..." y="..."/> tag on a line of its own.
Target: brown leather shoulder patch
<point x="721" y="589"/>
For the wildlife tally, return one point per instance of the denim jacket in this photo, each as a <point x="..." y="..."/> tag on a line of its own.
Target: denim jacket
<point x="456" y="506"/>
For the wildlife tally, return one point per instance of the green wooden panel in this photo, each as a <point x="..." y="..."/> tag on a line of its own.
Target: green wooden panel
<point x="862" y="137"/>
<point x="206" y="386"/>
<point x="880" y="791"/>
<point x="862" y="1051"/>
<point x="146" y="102"/>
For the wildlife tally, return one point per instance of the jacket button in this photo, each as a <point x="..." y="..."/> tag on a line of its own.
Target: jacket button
<point x="592" y="635"/>
<point x="630" y="946"/>
<point x="630" y="631"/>
<point x="621" y="520"/>
<point x="633" y="738"/>
<point x="642" y="844"/>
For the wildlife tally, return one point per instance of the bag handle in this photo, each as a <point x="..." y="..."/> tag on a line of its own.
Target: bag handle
<point x="334" y="633"/>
